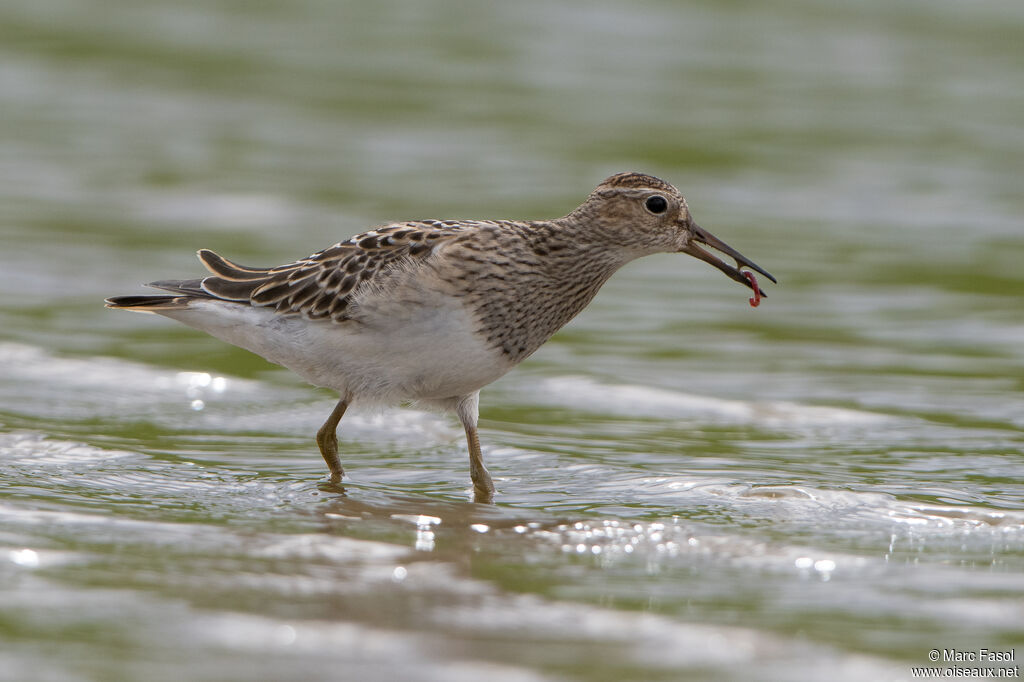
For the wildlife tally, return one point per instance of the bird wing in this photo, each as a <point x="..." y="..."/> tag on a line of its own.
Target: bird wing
<point x="321" y="286"/>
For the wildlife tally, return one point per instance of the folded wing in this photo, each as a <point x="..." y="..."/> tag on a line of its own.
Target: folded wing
<point x="319" y="286"/>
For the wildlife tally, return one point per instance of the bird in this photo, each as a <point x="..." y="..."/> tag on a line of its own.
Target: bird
<point x="429" y="312"/>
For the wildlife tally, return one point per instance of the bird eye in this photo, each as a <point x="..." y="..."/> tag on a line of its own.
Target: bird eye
<point x="656" y="204"/>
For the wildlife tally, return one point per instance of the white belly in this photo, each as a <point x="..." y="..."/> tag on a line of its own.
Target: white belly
<point x="399" y="353"/>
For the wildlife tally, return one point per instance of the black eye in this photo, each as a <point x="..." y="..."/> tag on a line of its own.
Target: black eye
<point x="656" y="204"/>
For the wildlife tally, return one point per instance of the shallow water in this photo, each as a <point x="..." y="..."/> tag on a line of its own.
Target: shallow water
<point x="826" y="487"/>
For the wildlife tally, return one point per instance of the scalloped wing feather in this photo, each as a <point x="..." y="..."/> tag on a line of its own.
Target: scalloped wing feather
<point x="320" y="286"/>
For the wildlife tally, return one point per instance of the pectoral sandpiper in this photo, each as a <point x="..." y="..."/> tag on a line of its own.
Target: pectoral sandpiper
<point x="432" y="311"/>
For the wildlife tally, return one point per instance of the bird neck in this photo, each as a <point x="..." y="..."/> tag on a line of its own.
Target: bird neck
<point x="565" y="274"/>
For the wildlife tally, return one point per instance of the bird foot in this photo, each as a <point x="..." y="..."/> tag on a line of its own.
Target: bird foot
<point x="483" y="486"/>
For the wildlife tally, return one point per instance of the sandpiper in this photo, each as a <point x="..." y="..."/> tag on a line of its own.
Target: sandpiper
<point x="431" y="311"/>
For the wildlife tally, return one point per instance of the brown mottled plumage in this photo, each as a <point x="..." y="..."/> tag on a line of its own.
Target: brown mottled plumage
<point x="432" y="310"/>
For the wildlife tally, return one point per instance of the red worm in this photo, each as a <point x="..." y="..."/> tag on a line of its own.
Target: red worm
<point x="756" y="300"/>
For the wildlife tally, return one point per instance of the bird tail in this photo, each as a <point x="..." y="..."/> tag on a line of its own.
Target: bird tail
<point x="230" y="282"/>
<point x="183" y="290"/>
<point x="150" y="303"/>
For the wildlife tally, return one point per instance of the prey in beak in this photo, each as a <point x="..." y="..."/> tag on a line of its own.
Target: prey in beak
<point x="701" y="236"/>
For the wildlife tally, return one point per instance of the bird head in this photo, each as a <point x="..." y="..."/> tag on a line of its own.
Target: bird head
<point x="644" y="214"/>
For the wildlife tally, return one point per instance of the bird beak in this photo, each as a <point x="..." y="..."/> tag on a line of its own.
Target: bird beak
<point x="698" y="235"/>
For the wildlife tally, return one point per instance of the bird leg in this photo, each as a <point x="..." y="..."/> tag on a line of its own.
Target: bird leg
<point x="467" y="407"/>
<point x="483" y="487"/>
<point x="327" y="439"/>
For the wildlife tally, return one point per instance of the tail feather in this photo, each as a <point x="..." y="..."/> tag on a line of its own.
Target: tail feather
<point x="225" y="269"/>
<point x="188" y="287"/>
<point x="209" y="287"/>
<point x="229" y="290"/>
<point x="147" y="303"/>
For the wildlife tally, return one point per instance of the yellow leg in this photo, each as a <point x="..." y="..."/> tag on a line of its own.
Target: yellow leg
<point x="327" y="439"/>
<point x="483" y="487"/>
<point x="467" y="407"/>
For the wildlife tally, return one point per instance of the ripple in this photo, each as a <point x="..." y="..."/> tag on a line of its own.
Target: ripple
<point x="47" y="386"/>
<point x="586" y="394"/>
<point x="36" y="450"/>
